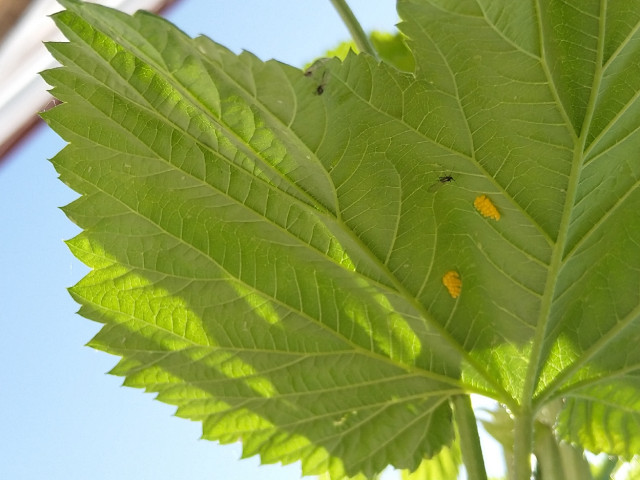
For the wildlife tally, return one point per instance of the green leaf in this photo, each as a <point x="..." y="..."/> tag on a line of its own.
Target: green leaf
<point x="221" y="270"/>
<point x="443" y="466"/>
<point x="604" y="419"/>
<point x="268" y="246"/>
<point x="393" y="49"/>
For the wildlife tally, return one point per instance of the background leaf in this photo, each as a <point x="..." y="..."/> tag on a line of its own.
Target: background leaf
<point x="393" y="49"/>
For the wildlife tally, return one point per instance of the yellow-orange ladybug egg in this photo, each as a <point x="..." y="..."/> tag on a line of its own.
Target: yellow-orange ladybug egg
<point x="486" y="207"/>
<point x="452" y="281"/>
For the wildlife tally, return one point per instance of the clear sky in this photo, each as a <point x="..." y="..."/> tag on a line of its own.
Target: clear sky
<point x="61" y="417"/>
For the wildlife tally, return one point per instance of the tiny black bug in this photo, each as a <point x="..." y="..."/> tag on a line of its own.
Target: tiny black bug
<point x="318" y="72"/>
<point x="441" y="181"/>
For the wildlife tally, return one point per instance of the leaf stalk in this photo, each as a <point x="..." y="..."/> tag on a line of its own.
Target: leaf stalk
<point x="522" y="444"/>
<point x="355" y="29"/>
<point x="469" y="437"/>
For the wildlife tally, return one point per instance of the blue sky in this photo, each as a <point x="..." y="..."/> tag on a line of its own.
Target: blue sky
<point x="62" y="417"/>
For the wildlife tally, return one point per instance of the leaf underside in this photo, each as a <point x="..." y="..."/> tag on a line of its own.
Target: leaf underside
<point x="267" y="246"/>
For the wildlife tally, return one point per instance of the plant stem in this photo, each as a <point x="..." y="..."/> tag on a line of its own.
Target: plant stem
<point x="469" y="438"/>
<point x="357" y="33"/>
<point x="522" y="444"/>
<point x="548" y="453"/>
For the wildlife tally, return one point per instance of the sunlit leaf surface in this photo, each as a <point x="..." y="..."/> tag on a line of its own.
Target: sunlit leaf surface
<point x="268" y="245"/>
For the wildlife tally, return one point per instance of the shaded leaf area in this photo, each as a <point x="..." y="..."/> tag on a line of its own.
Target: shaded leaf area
<point x="268" y="246"/>
<point x="577" y="182"/>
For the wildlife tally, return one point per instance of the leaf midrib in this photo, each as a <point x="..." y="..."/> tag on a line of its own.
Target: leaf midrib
<point x="557" y="261"/>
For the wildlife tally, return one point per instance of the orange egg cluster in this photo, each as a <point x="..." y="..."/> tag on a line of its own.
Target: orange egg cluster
<point x="486" y="207"/>
<point x="452" y="281"/>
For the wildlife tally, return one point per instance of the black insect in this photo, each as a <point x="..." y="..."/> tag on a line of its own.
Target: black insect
<point x="318" y="72"/>
<point x="441" y="181"/>
<point x="322" y="83"/>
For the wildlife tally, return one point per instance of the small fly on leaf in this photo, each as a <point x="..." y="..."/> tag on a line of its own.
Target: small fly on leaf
<point x="321" y="85"/>
<point x="318" y="71"/>
<point x="441" y="181"/>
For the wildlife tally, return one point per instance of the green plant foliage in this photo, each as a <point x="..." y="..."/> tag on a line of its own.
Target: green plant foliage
<point x="443" y="466"/>
<point x="393" y="49"/>
<point x="268" y="246"/>
<point x="342" y="50"/>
